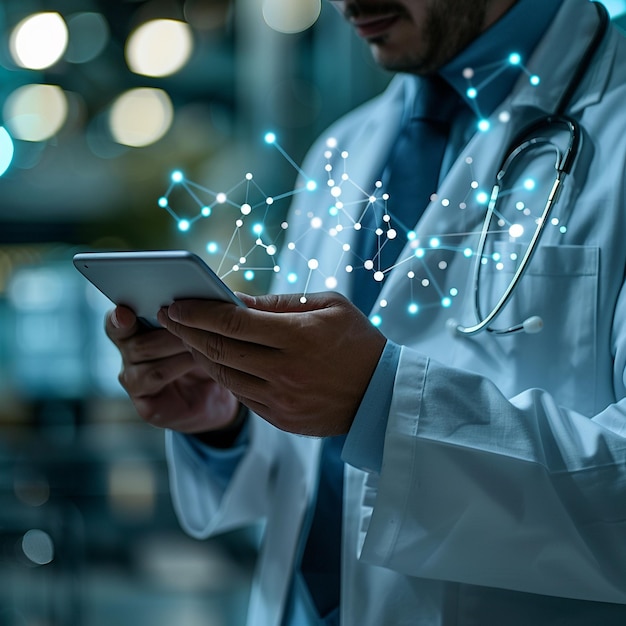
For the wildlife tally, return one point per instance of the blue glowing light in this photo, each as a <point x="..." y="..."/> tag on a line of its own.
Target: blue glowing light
<point x="177" y="176"/>
<point x="484" y="126"/>
<point x="212" y="247"/>
<point x="270" y="138"/>
<point x="162" y="202"/>
<point x="515" y="58"/>
<point x="446" y="302"/>
<point x="534" y="80"/>
<point x="248" y="275"/>
<point x="376" y="320"/>
<point x="482" y="197"/>
<point x="333" y="211"/>
<point x="471" y="93"/>
<point x="206" y="211"/>
<point x="434" y="242"/>
<point x="292" y="278"/>
<point x="311" y="185"/>
<point x="183" y="225"/>
<point x="467" y="253"/>
<point x="419" y="253"/>
<point x="411" y="235"/>
<point x="413" y="308"/>
<point x="529" y="184"/>
<point x="257" y="229"/>
<point x="7" y="150"/>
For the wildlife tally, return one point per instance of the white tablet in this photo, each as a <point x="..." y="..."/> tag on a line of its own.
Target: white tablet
<point x="147" y="281"/>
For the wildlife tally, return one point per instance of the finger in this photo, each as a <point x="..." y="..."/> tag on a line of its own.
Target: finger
<point x="152" y="345"/>
<point x="120" y="323"/>
<point x="258" y="323"/>
<point x="148" y="378"/>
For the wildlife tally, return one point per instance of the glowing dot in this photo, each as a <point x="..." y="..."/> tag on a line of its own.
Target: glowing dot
<point x="220" y="198"/>
<point x="413" y="308"/>
<point x="526" y="212"/>
<point x="529" y="184"/>
<point x="446" y="302"/>
<point x="563" y="229"/>
<point x="212" y="247"/>
<point x="513" y="256"/>
<point x="515" y="59"/>
<point x="313" y="264"/>
<point x="269" y="201"/>
<point x="516" y="230"/>
<point x="271" y="250"/>
<point x="291" y="246"/>
<point x="246" y="209"/>
<point x="469" y="160"/>
<point x="442" y="265"/>
<point x="372" y="199"/>
<point x="468" y="73"/>
<point x="331" y="282"/>
<point x="335" y="192"/>
<point x="257" y="229"/>
<point x="349" y="269"/>
<point x="454" y="291"/>
<point x="496" y="256"/>
<point x="358" y="226"/>
<point x="378" y="184"/>
<point x="379" y="276"/>
<point x="425" y="282"/>
<point x="554" y="221"/>
<point x="391" y="233"/>
<point x="376" y="320"/>
<point x="472" y="93"/>
<point x="242" y="260"/>
<point x="339" y="205"/>
<point x="331" y="142"/>
<point x="183" y="225"/>
<point x="419" y="253"/>
<point x="346" y="247"/>
<point x="177" y="176"/>
<point x="206" y="211"/>
<point x="467" y="253"/>
<point x="249" y="176"/>
<point x="482" y="197"/>
<point x="292" y="278"/>
<point x="248" y="275"/>
<point x="410" y="275"/>
<point x="433" y="197"/>
<point x="411" y="235"/>
<point x="383" y="303"/>
<point x="379" y="232"/>
<point x="163" y="201"/>
<point x="303" y="299"/>
<point x="535" y="80"/>
<point x="311" y="185"/>
<point x="344" y="154"/>
<point x="434" y="242"/>
<point x="316" y="222"/>
<point x="368" y="265"/>
<point x="387" y="218"/>
<point x="270" y="138"/>
<point x="284" y="225"/>
<point x="499" y="266"/>
<point x="235" y="268"/>
<point x="276" y="269"/>
<point x="504" y="117"/>
<point x="520" y="206"/>
<point x="329" y="167"/>
<point x="474" y="184"/>
<point x="484" y="126"/>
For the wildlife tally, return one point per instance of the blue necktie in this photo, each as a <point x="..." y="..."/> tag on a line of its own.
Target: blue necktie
<point x="411" y="177"/>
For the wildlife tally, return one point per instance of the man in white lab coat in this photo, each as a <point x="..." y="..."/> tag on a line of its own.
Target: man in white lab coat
<point x="485" y="474"/>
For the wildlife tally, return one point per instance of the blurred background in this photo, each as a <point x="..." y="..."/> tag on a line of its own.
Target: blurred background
<point x="105" y="106"/>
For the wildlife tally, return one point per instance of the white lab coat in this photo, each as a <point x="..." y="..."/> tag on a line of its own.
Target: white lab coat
<point x="504" y="467"/>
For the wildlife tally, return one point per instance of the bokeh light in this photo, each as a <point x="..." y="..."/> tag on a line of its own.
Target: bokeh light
<point x="35" y="112"/>
<point x="88" y="36"/>
<point x="39" y="40"/>
<point x="7" y="150"/>
<point x="159" y="47"/>
<point x="287" y="16"/>
<point x="141" y="116"/>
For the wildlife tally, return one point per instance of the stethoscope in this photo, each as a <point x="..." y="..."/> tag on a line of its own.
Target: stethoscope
<point x="530" y="138"/>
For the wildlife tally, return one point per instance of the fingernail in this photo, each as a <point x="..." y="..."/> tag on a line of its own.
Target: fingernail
<point x="114" y="319"/>
<point x="172" y="312"/>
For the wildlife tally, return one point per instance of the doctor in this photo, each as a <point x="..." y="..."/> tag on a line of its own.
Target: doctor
<point x="484" y="477"/>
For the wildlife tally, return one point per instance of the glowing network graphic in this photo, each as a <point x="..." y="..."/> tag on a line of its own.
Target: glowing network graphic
<point x="257" y="239"/>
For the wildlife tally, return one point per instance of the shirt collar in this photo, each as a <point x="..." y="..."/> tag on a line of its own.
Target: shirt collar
<point x="489" y="57"/>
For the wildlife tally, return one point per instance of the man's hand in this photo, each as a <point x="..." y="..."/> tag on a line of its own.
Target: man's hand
<point x="166" y="385"/>
<point x="302" y="367"/>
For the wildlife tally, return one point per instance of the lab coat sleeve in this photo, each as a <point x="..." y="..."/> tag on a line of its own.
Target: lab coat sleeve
<point x="202" y="504"/>
<point x="513" y="493"/>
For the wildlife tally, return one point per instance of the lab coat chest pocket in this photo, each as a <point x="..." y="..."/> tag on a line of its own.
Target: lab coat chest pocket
<point x="561" y="286"/>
